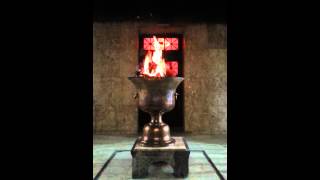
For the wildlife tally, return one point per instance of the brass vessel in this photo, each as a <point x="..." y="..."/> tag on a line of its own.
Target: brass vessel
<point x="156" y="96"/>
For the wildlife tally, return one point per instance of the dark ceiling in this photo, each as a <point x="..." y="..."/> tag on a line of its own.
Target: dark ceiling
<point x="164" y="10"/>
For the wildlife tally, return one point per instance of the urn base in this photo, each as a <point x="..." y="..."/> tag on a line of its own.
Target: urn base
<point x="156" y="135"/>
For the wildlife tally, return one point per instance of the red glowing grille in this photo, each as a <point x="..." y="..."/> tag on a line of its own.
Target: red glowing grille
<point x="167" y="44"/>
<point x="148" y="43"/>
<point x="171" y="43"/>
<point x="171" y="68"/>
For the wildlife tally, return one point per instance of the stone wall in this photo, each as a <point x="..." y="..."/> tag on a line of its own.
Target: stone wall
<point x="115" y="53"/>
<point x="114" y="59"/>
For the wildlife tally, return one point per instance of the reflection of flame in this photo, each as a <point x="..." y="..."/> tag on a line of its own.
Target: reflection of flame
<point x="154" y="65"/>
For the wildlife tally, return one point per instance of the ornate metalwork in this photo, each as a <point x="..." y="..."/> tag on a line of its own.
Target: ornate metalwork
<point x="156" y="96"/>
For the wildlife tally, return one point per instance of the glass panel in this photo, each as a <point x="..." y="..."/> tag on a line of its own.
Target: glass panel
<point x="120" y="167"/>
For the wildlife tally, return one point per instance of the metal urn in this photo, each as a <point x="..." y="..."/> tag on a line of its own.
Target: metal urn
<point x="156" y="96"/>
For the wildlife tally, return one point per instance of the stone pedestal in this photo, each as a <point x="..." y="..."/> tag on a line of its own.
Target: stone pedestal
<point x="176" y="154"/>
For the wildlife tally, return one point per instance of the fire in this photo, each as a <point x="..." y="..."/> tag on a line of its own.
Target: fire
<point x="154" y="64"/>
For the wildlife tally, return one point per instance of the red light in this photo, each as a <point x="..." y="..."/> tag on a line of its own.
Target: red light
<point x="167" y="44"/>
<point x="171" y="68"/>
<point x="148" y="43"/>
<point x="171" y="43"/>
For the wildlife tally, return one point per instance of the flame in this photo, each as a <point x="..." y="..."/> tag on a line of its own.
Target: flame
<point x="154" y="65"/>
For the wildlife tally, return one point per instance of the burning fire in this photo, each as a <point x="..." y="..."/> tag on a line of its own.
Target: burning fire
<point x="154" y="65"/>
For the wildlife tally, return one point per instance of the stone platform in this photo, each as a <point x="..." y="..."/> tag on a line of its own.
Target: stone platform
<point x="120" y="166"/>
<point x="176" y="155"/>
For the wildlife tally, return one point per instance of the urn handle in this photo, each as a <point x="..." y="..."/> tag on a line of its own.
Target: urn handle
<point x="176" y="95"/>
<point x="136" y="96"/>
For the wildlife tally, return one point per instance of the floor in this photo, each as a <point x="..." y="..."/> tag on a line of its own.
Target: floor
<point x="120" y="165"/>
